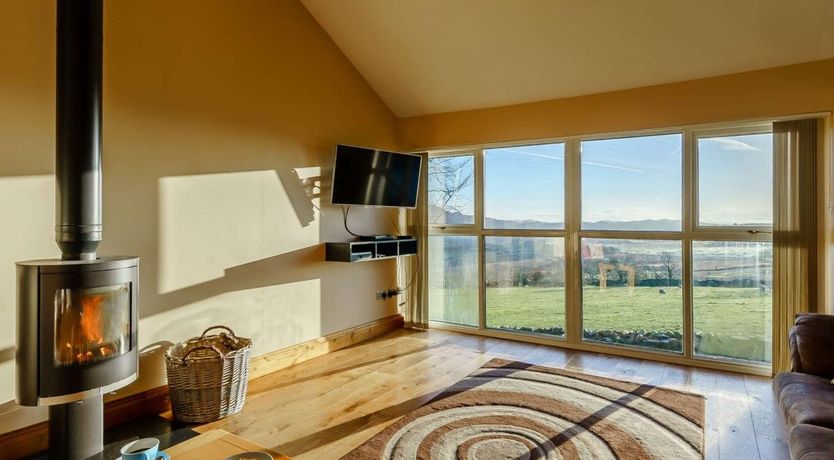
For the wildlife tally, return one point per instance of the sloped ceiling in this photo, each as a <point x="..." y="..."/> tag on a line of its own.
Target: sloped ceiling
<point x="432" y="56"/>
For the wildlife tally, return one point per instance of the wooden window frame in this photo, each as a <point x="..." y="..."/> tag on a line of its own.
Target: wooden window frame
<point x="573" y="233"/>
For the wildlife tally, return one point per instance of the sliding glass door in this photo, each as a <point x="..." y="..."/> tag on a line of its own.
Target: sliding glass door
<point x="655" y="243"/>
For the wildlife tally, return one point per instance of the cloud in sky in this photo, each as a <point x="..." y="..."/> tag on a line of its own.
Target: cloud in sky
<point x="533" y="154"/>
<point x="606" y="165"/>
<point x="558" y="157"/>
<point x="731" y="144"/>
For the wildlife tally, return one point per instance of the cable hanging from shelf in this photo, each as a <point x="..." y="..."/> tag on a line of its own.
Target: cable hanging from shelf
<point x="345" y="211"/>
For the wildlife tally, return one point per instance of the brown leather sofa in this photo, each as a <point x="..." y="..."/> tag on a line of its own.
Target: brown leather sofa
<point x="806" y="394"/>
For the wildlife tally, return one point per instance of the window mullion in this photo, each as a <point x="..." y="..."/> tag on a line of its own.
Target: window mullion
<point x="573" y="217"/>
<point x="453" y="230"/>
<point x="688" y="221"/>
<point x="479" y="230"/>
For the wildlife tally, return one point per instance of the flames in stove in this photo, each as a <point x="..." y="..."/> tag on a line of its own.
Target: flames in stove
<point x="91" y="328"/>
<point x="90" y="325"/>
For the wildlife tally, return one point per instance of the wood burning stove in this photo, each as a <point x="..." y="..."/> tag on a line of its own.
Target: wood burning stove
<point x="77" y="316"/>
<point x="76" y="328"/>
<point x="76" y="340"/>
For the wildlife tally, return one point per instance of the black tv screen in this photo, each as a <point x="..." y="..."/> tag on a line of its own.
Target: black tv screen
<point x="368" y="177"/>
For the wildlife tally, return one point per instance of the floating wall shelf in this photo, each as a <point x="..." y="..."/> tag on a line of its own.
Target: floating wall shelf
<point x="362" y="251"/>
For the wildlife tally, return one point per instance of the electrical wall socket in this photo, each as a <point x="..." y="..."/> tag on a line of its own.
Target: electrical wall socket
<point x="387" y="294"/>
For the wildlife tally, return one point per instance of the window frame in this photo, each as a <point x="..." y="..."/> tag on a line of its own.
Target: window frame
<point x="697" y="135"/>
<point x="665" y="235"/>
<point x="633" y="135"/>
<point x="477" y="181"/>
<point x="573" y="234"/>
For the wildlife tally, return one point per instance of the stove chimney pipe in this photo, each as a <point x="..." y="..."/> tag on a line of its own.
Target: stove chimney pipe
<point x="78" y="129"/>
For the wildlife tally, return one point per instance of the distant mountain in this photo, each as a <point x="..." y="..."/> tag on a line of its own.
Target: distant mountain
<point x="657" y="225"/>
<point x="527" y="224"/>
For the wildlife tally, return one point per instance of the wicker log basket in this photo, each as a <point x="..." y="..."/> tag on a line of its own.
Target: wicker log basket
<point x="208" y="375"/>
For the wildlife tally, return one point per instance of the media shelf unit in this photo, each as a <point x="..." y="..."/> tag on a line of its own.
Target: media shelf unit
<point x="362" y="251"/>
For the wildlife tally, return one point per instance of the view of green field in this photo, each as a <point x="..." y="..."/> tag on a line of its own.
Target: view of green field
<point x="731" y="322"/>
<point x="631" y="294"/>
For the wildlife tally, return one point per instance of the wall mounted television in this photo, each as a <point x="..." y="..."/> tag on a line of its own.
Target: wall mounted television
<point x="369" y="177"/>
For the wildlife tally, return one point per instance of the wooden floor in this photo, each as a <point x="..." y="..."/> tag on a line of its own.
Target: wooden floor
<point x="323" y="408"/>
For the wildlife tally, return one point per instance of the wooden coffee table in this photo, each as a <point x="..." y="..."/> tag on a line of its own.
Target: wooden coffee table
<point x="217" y="445"/>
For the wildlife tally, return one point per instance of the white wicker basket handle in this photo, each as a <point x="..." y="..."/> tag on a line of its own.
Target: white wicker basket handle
<point x="202" y="347"/>
<point x="219" y="326"/>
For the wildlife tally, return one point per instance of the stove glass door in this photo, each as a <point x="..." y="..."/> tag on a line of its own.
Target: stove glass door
<point x="91" y="324"/>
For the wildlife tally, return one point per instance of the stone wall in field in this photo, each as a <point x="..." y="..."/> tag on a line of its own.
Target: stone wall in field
<point x="757" y="349"/>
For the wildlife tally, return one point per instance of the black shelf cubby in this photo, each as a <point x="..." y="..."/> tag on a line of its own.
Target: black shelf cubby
<point x="363" y="251"/>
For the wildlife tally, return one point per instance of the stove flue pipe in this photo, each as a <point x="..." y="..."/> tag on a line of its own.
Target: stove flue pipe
<point x="78" y="129"/>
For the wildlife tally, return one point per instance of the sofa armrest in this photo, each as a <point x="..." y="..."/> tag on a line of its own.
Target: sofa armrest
<point x="796" y="360"/>
<point x="812" y="344"/>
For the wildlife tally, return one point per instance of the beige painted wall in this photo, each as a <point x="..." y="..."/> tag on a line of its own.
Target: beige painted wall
<point x="795" y="89"/>
<point x="220" y="119"/>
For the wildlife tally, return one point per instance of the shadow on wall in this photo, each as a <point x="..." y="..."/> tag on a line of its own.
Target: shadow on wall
<point x="218" y="130"/>
<point x="236" y="248"/>
<point x="243" y="249"/>
<point x="225" y="250"/>
<point x="215" y="167"/>
<point x="152" y="360"/>
<point x="303" y="193"/>
<point x="7" y="354"/>
<point x="26" y="232"/>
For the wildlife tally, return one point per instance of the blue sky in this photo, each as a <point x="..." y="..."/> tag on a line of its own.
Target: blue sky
<point x="736" y="179"/>
<point x="629" y="179"/>
<point x="633" y="178"/>
<point x="525" y="183"/>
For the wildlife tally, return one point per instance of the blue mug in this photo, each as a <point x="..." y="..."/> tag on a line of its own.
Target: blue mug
<point x="143" y="449"/>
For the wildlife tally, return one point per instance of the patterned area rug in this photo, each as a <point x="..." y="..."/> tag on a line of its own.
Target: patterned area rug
<point x="513" y="410"/>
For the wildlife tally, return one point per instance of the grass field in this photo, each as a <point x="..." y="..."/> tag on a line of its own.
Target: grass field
<point x="734" y="322"/>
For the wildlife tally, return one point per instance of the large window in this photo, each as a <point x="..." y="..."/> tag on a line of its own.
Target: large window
<point x="451" y="190"/>
<point x="525" y="284"/>
<point x="631" y="288"/>
<point x="655" y="243"/>
<point x="732" y="300"/>
<point x="453" y="279"/>
<point x="732" y="277"/>
<point x="524" y="187"/>
<point x="733" y="180"/>
<point x="632" y="183"/>
<point x="631" y="293"/>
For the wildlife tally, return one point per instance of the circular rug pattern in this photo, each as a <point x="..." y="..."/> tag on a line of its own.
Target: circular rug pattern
<point x="511" y="410"/>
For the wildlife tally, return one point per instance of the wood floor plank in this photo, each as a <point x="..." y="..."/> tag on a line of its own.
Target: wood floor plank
<point x="549" y="356"/>
<point x="676" y="377"/>
<point x="650" y="372"/>
<point x="325" y="407"/>
<point x="582" y="362"/>
<point x="604" y="365"/>
<point x="703" y="381"/>
<point x="712" y="438"/>
<point x="768" y="423"/>
<point x="626" y="369"/>
<point x="737" y="437"/>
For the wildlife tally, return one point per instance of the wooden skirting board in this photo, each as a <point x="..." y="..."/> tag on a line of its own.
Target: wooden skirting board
<point x="34" y="438"/>
<point x="286" y="357"/>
